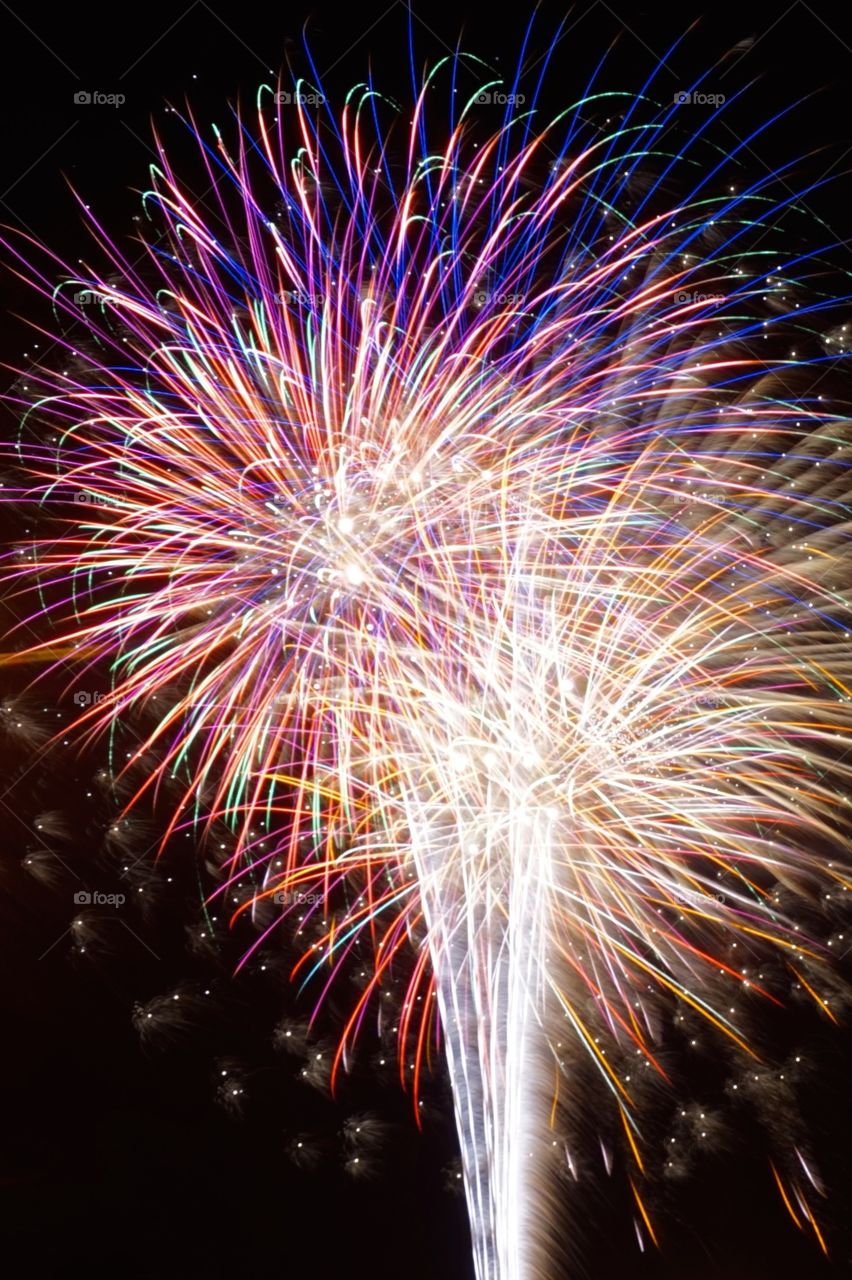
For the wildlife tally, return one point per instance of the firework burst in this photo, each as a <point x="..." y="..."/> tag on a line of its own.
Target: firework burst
<point x="464" y="518"/>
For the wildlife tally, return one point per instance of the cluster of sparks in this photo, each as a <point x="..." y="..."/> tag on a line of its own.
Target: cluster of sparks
<point x="489" y="574"/>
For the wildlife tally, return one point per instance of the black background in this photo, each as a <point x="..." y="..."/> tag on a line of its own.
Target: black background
<point x="116" y="1160"/>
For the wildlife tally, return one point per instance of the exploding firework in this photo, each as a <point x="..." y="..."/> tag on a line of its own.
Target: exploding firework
<point x="457" y="517"/>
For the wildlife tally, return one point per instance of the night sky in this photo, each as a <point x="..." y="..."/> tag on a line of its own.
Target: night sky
<point x="174" y="1154"/>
